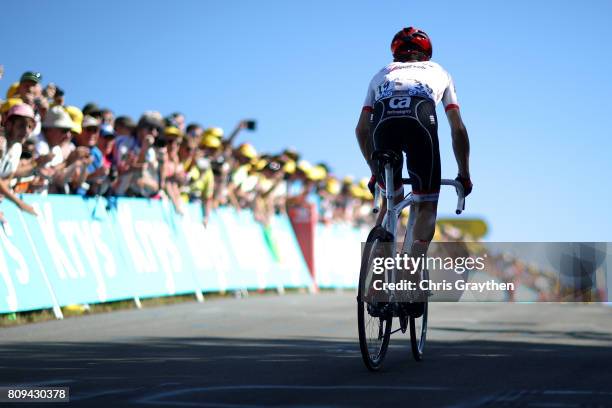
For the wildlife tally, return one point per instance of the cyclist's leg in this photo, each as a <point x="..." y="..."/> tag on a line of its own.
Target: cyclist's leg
<point x="387" y="136"/>
<point x="424" y="227"/>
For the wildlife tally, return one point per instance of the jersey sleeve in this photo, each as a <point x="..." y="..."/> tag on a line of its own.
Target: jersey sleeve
<point x="449" y="98"/>
<point x="368" y="103"/>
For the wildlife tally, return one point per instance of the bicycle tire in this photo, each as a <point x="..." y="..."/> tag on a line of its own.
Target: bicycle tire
<point x="418" y="329"/>
<point x="372" y="362"/>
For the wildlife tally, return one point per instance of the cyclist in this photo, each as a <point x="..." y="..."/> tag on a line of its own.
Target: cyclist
<point x="399" y="114"/>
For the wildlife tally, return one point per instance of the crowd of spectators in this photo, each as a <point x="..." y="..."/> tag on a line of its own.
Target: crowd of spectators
<point x="48" y="146"/>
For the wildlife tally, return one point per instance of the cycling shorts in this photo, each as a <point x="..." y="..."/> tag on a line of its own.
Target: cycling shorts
<point x="409" y="125"/>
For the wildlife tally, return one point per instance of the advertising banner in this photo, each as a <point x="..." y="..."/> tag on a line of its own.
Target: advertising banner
<point x="94" y="250"/>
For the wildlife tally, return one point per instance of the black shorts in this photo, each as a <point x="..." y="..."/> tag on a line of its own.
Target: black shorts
<point x="409" y="124"/>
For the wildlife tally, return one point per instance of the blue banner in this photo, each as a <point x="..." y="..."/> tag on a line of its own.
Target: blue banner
<point x="94" y="250"/>
<point x="24" y="285"/>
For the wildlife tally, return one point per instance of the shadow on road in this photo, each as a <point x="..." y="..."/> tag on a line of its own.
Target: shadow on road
<point x="537" y="333"/>
<point x="307" y="371"/>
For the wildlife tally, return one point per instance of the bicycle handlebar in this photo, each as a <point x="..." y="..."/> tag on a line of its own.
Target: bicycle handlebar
<point x="445" y="182"/>
<point x="460" y="193"/>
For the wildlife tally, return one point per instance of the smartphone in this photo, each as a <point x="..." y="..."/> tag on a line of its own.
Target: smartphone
<point x="251" y="124"/>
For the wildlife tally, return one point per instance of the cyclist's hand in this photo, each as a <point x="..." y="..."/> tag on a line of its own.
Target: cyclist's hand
<point x="466" y="183"/>
<point x="372" y="184"/>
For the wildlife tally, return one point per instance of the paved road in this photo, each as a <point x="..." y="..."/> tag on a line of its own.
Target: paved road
<point x="302" y="350"/>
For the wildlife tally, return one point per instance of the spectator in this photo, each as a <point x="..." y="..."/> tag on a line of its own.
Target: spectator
<point x="172" y="172"/>
<point x="18" y="124"/>
<point x="106" y="144"/>
<point x="107" y="117"/>
<point x="242" y="181"/>
<point x="270" y="189"/>
<point x="56" y="141"/>
<point x="328" y="193"/>
<point x="58" y="98"/>
<point x="177" y="119"/>
<point x="201" y="176"/>
<point x="136" y="158"/>
<point x="28" y="91"/>
<point x="49" y="91"/>
<point x="90" y="177"/>
<point x="194" y="131"/>
<point x="92" y="109"/>
<point x="56" y="133"/>
<point x="28" y="85"/>
<point x="124" y="127"/>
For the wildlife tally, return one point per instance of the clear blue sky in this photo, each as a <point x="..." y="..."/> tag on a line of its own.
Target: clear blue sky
<point x="533" y="79"/>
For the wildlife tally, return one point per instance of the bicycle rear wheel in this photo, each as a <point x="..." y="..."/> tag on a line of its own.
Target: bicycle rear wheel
<point x="418" y="327"/>
<point x="374" y="320"/>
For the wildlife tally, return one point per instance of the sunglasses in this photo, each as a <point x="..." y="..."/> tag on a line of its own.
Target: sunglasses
<point x="150" y="128"/>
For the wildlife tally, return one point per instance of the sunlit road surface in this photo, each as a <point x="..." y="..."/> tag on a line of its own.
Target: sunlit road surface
<point x="302" y="350"/>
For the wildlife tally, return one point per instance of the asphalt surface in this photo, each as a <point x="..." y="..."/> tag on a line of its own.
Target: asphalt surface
<point x="302" y="350"/>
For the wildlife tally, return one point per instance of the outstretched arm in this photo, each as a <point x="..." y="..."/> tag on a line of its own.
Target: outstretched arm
<point x="461" y="142"/>
<point x="6" y="191"/>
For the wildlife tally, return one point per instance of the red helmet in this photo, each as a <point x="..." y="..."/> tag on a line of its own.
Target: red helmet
<point x="411" y="41"/>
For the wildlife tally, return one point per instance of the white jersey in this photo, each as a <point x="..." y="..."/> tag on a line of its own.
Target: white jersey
<point x="425" y="79"/>
<point x="10" y="161"/>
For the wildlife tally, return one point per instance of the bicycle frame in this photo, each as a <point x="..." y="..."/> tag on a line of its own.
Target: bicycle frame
<point x="393" y="210"/>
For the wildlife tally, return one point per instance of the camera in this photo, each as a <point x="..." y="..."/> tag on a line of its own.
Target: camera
<point x="161" y="142"/>
<point x="251" y="124"/>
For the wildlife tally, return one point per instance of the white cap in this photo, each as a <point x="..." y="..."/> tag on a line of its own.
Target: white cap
<point x="57" y="117"/>
<point x="90" y="121"/>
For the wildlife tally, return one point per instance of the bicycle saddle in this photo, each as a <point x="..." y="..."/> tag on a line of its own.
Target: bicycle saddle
<point x="386" y="156"/>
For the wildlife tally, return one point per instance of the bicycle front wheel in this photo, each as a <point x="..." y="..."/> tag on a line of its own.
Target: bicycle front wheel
<point x="374" y="319"/>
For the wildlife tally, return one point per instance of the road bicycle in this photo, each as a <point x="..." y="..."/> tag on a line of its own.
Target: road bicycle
<point x="375" y="312"/>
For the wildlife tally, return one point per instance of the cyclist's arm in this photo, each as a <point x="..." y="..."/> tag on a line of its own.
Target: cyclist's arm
<point x="461" y="142"/>
<point x="363" y="133"/>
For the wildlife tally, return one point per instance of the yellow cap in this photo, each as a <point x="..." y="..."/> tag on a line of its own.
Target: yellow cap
<point x="356" y="191"/>
<point x="332" y="186"/>
<point x="9" y="103"/>
<point x="304" y="166"/>
<point x="214" y="131"/>
<point x="210" y="142"/>
<point x="172" y="131"/>
<point x="247" y="150"/>
<point x="316" y="173"/>
<point x="260" y="164"/>
<point x="12" y="91"/>
<point x="363" y="183"/>
<point x="77" y="118"/>
<point x="347" y="180"/>
<point x="289" y="167"/>
<point x="322" y="171"/>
